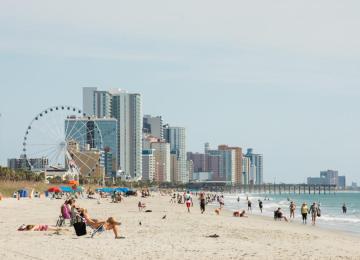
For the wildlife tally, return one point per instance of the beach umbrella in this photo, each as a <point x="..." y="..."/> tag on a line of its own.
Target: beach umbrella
<point x="124" y="190"/>
<point x="105" y="190"/>
<point x="54" y="189"/>
<point x="73" y="182"/>
<point x="66" y="189"/>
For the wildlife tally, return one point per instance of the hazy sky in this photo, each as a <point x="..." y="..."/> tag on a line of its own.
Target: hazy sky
<point x="279" y="76"/>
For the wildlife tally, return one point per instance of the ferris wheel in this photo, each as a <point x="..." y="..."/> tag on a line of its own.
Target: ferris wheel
<point x="63" y="138"/>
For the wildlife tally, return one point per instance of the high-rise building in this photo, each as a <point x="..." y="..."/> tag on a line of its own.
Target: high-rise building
<point x="102" y="104"/>
<point x="236" y="157"/>
<point x="229" y="167"/>
<point x="176" y="137"/>
<point x="331" y="177"/>
<point x="246" y="170"/>
<point x="148" y="165"/>
<point x="190" y="168"/>
<point x="199" y="161"/>
<point x="162" y="161"/>
<point x="97" y="102"/>
<point x="127" y="109"/>
<point x="342" y="182"/>
<point x="88" y="101"/>
<point x="256" y="167"/>
<point x="174" y="168"/>
<point x="153" y="126"/>
<point x="215" y="164"/>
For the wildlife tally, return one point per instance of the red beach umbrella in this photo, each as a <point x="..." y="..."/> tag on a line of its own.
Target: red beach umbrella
<point x="54" y="189"/>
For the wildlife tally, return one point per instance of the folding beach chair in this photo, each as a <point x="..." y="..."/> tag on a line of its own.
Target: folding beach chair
<point x="60" y="222"/>
<point x="98" y="230"/>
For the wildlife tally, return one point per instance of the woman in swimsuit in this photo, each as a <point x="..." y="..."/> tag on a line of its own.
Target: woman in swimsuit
<point x="38" y="228"/>
<point x="109" y="224"/>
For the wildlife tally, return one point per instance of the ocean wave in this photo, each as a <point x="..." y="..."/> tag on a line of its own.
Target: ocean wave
<point x="328" y="218"/>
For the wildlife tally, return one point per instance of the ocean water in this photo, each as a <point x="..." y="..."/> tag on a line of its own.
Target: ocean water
<point x="330" y="205"/>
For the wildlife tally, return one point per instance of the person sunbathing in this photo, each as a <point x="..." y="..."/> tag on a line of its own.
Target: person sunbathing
<point x="38" y="228"/>
<point x="109" y="224"/>
<point x="240" y="214"/>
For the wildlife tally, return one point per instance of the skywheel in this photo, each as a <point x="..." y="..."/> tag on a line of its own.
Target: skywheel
<point x="63" y="138"/>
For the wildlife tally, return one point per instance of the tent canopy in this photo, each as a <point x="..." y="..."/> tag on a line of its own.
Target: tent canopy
<point x="110" y="190"/>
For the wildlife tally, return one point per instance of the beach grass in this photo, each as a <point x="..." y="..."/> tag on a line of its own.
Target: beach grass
<point x="7" y="188"/>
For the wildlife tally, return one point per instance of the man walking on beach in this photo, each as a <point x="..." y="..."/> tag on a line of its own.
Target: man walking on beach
<point x="260" y="205"/>
<point x="202" y="202"/>
<point x="249" y="206"/>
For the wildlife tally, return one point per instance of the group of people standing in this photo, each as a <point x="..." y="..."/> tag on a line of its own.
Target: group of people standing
<point x="314" y="211"/>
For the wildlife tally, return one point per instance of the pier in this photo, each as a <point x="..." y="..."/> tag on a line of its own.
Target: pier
<point x="265" y="188"/>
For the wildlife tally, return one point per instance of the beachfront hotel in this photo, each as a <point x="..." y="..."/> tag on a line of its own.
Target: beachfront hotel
<point x="126" y="108"/>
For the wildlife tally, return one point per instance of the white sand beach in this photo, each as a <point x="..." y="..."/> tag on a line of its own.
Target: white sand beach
<point x="180" y="236"/>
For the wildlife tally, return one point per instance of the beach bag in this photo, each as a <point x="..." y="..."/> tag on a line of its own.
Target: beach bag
<point x="319" y="213"/>
<point x="80" y="228"/>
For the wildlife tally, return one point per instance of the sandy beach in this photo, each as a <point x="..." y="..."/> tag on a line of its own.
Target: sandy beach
<point x="180" y="236"/>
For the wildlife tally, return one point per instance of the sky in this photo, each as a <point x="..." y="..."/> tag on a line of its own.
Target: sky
<point x="278" y="76"/>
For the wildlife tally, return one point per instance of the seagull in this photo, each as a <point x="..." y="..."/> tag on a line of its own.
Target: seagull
<point x="164" y="217"/>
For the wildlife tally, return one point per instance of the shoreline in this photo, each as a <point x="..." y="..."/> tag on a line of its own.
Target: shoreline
<point x="296" y="222"/>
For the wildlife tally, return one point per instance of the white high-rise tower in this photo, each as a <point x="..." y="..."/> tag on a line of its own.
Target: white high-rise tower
<point x="127" y="109"/>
